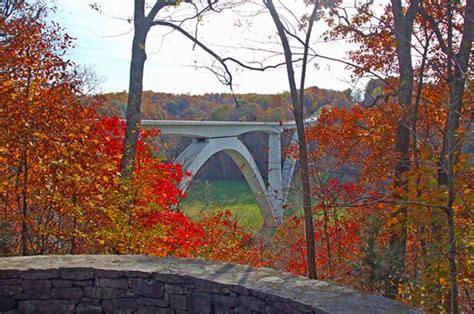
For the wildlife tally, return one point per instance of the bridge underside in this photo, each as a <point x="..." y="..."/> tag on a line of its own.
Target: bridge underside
<point x="211" y="137"/>
<point x="199" y="151"/>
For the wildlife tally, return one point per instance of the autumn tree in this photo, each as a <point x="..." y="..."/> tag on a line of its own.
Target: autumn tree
<point x="297" y="99"/>
<point x="135" y="218"/>
<point x="144" y="18"/>
<point x="406" y="33"/>
<point x="350" y="167"/>
<point x="60" y="189"/>
<point x="391" y="35"/>
<point x="403" y="29"/>
<point x="455" y="43"/>
<point x="142" y="24"/>
<point x="44" y="141"/>
<point x="287" y="33"/>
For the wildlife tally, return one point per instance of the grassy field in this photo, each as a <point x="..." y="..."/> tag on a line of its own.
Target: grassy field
<point x="205" y="196"/>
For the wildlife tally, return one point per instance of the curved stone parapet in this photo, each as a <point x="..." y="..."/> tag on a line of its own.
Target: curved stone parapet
<point x="144" y="284"/>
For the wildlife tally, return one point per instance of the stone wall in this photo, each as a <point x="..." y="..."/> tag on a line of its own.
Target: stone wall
<point x="141" y="284"/>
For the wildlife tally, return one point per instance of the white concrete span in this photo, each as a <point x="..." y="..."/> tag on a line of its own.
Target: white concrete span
<point x="211" y="137"/>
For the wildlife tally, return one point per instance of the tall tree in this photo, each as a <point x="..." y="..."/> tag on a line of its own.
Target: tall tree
<point x="389" y="34"/>
<point x="403" y="28"/>
<point x="455" y="43"/>
<point x="142" y="23"/>
<point x="440" y="35"/>
<point x="297" y="99"/>
<point x="45" y="137"/>
<point x="59" y="183"/>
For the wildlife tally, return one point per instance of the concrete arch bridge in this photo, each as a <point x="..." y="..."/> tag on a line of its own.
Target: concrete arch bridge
<point x="212" y="137"/>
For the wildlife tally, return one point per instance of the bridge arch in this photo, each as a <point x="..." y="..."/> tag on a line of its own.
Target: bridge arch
<point x="211" y="137"/>
<point x="201" y="150"/>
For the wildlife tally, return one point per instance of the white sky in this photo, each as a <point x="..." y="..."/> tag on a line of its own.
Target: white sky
<point x="104" y="43"/>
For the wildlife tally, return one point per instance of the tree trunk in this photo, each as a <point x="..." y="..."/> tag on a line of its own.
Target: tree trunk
<point x="328" y="242"/>
<point x="403" y="24"/>
<point x="302" y="145"/>
<point x="134" y="96"/>
<point x="24" y="164"/>
<point x="452" y="143"/>
<point x="453" y="273"/>
<point x="142" y="24"/>
<point x="24" y="206"/>
<point x="308" y="212"/>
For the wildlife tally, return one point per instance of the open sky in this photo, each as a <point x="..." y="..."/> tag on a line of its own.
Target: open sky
<point x="103" y="42"/>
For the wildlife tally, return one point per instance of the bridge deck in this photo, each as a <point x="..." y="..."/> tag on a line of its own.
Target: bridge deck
<point x="209" y="129"/>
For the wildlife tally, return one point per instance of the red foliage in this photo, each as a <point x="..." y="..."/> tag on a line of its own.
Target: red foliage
<point x="226" y="240"/>
<point x="178" y="235"/>
<point x="158" y="181"/>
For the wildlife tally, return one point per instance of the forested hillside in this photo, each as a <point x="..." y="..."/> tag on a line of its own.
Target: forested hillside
<point x="222" y="107"/>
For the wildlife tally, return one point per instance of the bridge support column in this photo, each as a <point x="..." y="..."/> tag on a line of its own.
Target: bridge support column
<point x="274" y="188"/>
<point x="288" y="170"/>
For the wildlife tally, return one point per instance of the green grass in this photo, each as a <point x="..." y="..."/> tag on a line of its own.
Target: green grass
<point x="208" y="196"/>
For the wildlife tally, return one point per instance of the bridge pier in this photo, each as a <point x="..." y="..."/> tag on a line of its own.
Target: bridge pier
<point x="274" y="186"/>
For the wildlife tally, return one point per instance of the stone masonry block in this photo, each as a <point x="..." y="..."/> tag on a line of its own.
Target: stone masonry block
<point x="153" y="302"/>
<point x="102" y="273"/>
<point x="37" y="289"/>
<point x="170" y="278"/>
<point x="7" y="303"/>
<point x="89" y="309"/>
<point x="178" y="302"/>
<point x="80" y="273"/>
<point x="89" y="301"/>
<point x="199" y="302"/>
<point x="83" y="283"/>
<point x="112" y="283"/>
<point x="252" y="303"/>
<point x="209" y="286"/>
<point x="174" y="289"/>
<point x="10" y="290"/>
<point x="137" y="274"/>
<point x="120" y="305"/>
<point x="68" y="293"/>
<point x="223" y="303"/>
<point x="46" y="306"/>
<point x="9" y="273"/>
<point x="34" y="274"/>
<point x="61" y="283"/>
<point x="101" y="293"/>
<point x="10" y="282"/>
<point x="146" y="287"/>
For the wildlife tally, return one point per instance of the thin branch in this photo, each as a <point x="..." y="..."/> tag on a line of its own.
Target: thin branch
<point x="201" y="45"/>
<point x="355" y="66"/>
<point x="435" y="28"/>
<point x="312" y="18"/>
<point x="262" y="68"/>
<point x="155" y="9"/>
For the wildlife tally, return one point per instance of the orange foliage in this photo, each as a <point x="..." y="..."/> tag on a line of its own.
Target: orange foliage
<point x="59" y="181"/>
